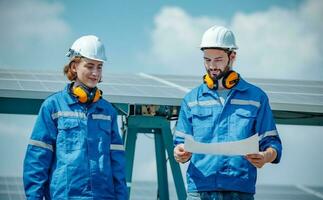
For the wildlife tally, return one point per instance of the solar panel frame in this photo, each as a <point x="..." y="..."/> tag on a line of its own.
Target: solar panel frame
<point x="156" y="89"/>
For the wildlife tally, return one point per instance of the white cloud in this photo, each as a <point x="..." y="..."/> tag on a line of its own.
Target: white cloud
<point x="175" y="42"/>
<point x="29" y="29"/>
<point x="280" y="43"/>
<point x="276" y="43"/>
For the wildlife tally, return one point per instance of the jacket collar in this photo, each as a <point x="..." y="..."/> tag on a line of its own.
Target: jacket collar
<point x="241" y="86"/>
<point x="68" y="96"/>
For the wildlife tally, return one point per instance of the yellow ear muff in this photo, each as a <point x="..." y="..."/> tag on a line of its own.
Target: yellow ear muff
<point x="97" y="95"/>
<point x="209" y="81"/>
<point x="230" y="80"/>
<point x="81" y="94"/>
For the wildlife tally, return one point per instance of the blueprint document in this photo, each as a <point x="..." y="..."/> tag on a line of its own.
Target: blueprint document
<point x="240" y="147"/>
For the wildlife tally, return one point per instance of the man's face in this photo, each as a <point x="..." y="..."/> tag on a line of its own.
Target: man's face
<point x="216" y="61"/>
<point x="88" y="72"/>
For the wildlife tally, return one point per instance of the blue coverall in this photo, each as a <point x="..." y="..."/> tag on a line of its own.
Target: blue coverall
<point x="75" y="151"/>
<point x="204" y="118"/>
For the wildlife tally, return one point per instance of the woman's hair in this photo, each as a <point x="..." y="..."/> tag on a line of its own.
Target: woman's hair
<point x="68" y="71"/>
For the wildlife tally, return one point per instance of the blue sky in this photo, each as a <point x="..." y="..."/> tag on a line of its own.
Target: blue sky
<point x="279" y="37"/>
<point x="282" y="38"/>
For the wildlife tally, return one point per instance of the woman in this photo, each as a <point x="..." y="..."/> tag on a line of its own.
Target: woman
<point x="75" y="151"/>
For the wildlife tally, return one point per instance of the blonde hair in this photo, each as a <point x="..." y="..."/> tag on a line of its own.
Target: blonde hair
<point x="68" y="72"/>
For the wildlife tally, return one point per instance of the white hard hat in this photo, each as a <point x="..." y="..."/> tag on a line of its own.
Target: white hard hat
<point x="88" y="46"/>
<point x="218" y="37"/>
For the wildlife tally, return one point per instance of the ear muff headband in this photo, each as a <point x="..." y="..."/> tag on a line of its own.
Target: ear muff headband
<point x="84" y="96"/>
<point x="229" y="80"/>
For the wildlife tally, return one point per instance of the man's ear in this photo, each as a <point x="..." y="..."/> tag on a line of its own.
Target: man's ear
<point x="233" y="55"/>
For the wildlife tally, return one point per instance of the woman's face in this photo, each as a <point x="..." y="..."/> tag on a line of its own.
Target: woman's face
<point x="88" y="72"/>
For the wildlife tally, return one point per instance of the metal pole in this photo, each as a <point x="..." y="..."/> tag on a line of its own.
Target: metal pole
<point x="130" y="142"/>
<point x="161" y="166"/>
<point x="176" y="170"/>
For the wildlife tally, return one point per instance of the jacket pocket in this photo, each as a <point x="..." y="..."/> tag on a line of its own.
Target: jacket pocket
<point x="203" y="121"/>
<point x="242" y="123"/>
<point x="245" y="113"/>
<point x="71" y="134"/>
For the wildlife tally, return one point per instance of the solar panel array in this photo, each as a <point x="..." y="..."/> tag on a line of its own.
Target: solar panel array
<point x="290" y="95"/>
<point x="11" y="188"/>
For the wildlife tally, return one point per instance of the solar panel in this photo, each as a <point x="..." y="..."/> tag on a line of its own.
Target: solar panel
<point x="11" y="188"/>
<point x="289" y="95"/>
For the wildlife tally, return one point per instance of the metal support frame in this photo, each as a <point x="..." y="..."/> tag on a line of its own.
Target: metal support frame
<point x="20" y="106"/>
<point x="160" y="127"/>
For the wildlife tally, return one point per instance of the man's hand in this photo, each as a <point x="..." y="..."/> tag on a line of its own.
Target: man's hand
<point x="180" y="154"/>
<point x="260" y="159"/>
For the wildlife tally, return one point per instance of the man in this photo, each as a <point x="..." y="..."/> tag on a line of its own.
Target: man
<point x="224" y="108"/>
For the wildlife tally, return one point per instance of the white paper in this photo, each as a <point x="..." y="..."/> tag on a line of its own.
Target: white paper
<point x="240" y="147"/>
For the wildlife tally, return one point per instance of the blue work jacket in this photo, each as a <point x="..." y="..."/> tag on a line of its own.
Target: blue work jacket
<point x="206" y="119"/>
<point x="75" y="152"/>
